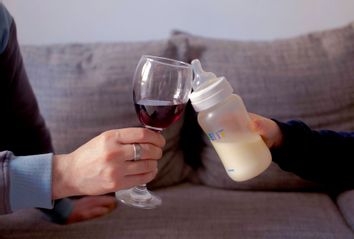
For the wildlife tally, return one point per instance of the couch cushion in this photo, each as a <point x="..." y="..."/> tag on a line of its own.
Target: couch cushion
<point x="85" y="89"/>
<point x="190" y="211"/>
<point x="345" y="203"/>
<point x="309" y="77"/>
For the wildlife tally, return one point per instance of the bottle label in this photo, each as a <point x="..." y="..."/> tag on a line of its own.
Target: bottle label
<point x="219" y="134"/>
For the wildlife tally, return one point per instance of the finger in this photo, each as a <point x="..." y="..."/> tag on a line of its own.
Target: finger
<point x="138" y="135"/>
<point x="267" y="129"/>
<point x="134" y="180"/>
<point x="103" y="201"/>
<point x="148" y="151"/>
<point x="140" y="167"/>
<point x="257" y="126"/>
<point x="95" y="212"/>
<point x="256" y="123"/>
<point x="90" y="207"/>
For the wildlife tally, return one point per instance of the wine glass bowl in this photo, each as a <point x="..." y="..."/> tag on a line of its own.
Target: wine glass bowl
<point x="158" y="115"/>
<point x="161" y="89"/>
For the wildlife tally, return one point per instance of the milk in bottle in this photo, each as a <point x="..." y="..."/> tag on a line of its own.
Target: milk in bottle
<point x="224" y="118"/>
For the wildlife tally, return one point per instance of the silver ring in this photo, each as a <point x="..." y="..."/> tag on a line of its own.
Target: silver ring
<point x="137" y="152"/>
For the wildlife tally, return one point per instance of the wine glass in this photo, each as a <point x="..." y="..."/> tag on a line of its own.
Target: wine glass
<point x="161" y="89"/>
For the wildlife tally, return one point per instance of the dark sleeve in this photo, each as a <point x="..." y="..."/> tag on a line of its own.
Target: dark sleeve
<point x="322" y="156"/>
<point x="5" y="207"/>
<point x="22" y="128"/>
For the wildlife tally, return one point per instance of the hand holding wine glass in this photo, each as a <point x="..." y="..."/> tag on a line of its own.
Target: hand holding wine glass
<point x="161" y="89"/>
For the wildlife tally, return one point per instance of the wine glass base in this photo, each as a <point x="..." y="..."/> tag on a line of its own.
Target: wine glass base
<point x="131" y="198"/>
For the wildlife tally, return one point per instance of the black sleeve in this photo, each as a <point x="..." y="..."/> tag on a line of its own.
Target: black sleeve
<point x="22" y="128"/>
<point x="322" y="156"/>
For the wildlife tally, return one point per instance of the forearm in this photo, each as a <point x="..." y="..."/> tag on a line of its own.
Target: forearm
<point x="322" y="156"/>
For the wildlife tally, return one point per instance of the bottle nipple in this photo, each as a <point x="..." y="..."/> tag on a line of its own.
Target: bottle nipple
<point x="208" y="89"/>
<point x="202" y="78"/>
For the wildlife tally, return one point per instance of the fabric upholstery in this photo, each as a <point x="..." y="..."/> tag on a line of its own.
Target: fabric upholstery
<point x="345" y="203"/>
<point x="190" y="211"/>
<point x="310" y="77"/>
<point x="85" y="89"/>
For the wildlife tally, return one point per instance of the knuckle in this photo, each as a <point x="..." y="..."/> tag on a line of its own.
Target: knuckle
<point x="154" y="152"/>
<point x="108" y="174"/>
<point x="114" y="183"/>
<point x="150" y="165"/>
<point x="147" y="150"/>
<point x="163" y="141"/>
<point x="256" y="125"/>
<point x="141" y="134"/>
<point x="117" y="152"/>
<point x="155" y="173"/>
<point x="116" y="186"/>
<point x="110" y="154"/>
<point x="159" y="153"/>
<point x="111" y="185"/>
<point x="117" y="135"/>
<point x="107" y="156"/>
<point x="106" y="135"/>
<point x="145" y="178"/>
<point x="106" y="138"/>
<point x="153" y="164"/>
<point x="146" y="166"/>
<point x="152" y="175"/>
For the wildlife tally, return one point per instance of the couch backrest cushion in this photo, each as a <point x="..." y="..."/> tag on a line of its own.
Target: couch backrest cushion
<point x="85" y="89"/>
<point x="310" y="78"/>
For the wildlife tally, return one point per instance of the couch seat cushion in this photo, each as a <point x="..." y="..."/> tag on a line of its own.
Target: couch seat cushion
<point x="191" y="211"/>
<point x="345" y="203"/>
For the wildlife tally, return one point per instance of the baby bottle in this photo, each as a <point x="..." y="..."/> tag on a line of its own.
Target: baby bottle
<point x="224" y="118"/>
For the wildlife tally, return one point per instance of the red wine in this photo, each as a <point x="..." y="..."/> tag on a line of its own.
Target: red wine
<point x="158" y="114"/>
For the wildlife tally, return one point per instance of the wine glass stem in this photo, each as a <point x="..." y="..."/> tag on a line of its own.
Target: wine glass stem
<point x="140" y="193"/>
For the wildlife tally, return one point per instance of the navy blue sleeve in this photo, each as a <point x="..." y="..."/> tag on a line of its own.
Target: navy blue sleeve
<point x="322" y="156"/>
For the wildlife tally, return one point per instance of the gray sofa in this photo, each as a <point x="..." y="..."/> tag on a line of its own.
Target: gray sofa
<point x="84" y="89"/>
